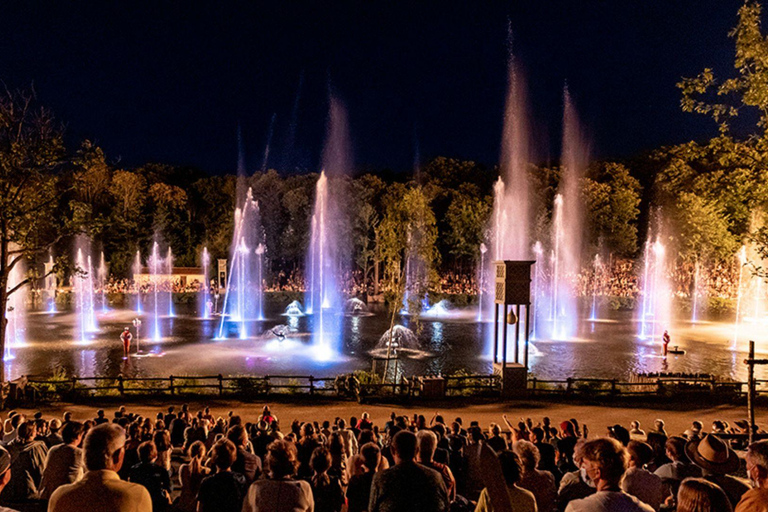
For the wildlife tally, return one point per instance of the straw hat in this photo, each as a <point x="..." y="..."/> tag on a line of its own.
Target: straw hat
<point x="712" y="454"/>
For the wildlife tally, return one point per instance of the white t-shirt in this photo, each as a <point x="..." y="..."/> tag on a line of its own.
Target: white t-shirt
<point x="608" y="501"/>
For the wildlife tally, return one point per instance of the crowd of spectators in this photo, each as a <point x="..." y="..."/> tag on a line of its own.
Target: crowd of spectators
<point x="181" y="460"/>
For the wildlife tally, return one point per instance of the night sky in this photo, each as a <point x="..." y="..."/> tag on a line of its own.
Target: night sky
<point x="171" y="81"/>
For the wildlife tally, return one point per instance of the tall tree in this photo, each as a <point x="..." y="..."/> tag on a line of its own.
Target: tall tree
<point x="31" y="153"/>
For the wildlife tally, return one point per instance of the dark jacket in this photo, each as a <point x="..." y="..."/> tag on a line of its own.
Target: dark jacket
<point x="406" y="487"/>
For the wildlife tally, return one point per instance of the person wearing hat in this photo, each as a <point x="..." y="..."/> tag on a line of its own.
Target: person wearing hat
<point x="5" y="474"/>
<point x="126" y="337"/>
<point x="716" y="460"/>
<point x="756" y="499"/>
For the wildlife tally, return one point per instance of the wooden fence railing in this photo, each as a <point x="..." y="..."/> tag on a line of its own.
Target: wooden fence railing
<point x="424" y="386"/>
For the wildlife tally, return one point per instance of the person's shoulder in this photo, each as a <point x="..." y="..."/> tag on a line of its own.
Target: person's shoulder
<point x="752" y="498"/>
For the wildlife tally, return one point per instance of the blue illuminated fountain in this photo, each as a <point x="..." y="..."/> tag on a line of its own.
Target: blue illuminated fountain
<point x="136" y="270"/>
<point x="244" y="296"/>
<point x="83" y="284"/>
<point x="16" y="314"/>
<point x="50" y="285"/>
<point x="205" y="292"/>
<point x="325" y="261"/>
<point x="102" y="279"/>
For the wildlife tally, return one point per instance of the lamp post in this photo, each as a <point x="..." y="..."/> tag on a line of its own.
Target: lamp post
<point x="137" y="325"/>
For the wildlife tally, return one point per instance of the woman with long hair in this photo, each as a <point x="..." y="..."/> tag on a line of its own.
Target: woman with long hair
<point x="280" y="492"/>
<point x="326" y="489"/>
<point x="190" y="476"/>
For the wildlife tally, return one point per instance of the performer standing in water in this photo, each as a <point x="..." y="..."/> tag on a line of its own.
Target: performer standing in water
<point x="665" y="339"/>
<point x="126" y="337"/>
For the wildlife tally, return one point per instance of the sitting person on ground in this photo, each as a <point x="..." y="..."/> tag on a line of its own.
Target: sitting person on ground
<point x="672" y="473"/>
<point x="547" y="454"/>
<point x="659" y="427"/>
<point x="359" y="488"/>
<point x="54" y="436"/>
<point x="27" y="465"/>
<point x="101" y="489"/>
<point x="638" y="481"/>
<point x="635" y="432"/>
<point x="756" y="499"/>
<point x="191" y="476"/>
<point x="540" y="483"/>
<point x="426" y="445"/>
<point x="222" y="491"/>
<point x="280" y="492"/>
<point x="247" y="464"/>
<point x="520" y="500"/>
<point x="64" y="463"/>
<point x="699" y="495"/>
<point x="604" y="462"/>
<point x="407" y="486"/>
<point x="718" y="462"/>
<point x="620" y="434"/>
<point x="152" y="476"/>
<point x="326" y="490"/>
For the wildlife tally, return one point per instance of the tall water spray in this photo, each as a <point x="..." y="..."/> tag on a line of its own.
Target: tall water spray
<point x="511" y="217"/>
<point x="326" y="261"/>
<point x="168" y="271"/>
<point x="567" y="226"/>
<point x="205" y="292"/>
<point x="595" y="288"/>
<point x="656" y="290"/>
<point x="83" y="281"/>
<point x="50" y="284"/>
<point x="136" y="270"/>
<point x="244" y="297"/>
<point x="697" y="294"/>
<point x="103" y="279"/>
<point x="742" y="259"/>
<point x="16" y="312"/>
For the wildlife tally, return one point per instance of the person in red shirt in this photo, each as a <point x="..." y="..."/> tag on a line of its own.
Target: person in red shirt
<point x="665" y="339"/>
<point x="126" y="337"/>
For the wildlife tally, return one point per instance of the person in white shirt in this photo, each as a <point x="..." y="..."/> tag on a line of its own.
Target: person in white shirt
<point x="604" y="463"/>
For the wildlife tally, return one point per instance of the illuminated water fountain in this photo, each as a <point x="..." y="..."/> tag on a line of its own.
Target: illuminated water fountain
<point x="16" y="313"/>
<point x="205" y="305"/>
<point x="102" y="276"/>
<point x="50" y="285"/>
<point x="656" y="290"/>
<point x="244" y="296"/>
<point x="596" y="270"/>
<point x="136" y="270"/>
<point x="83" y="284"/>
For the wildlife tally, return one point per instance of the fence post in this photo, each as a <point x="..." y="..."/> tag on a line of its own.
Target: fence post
<point x="533" y="381"/>
<point x="120" y="385"/>
<point x="613" y="386"/>
<point x="659" y="386"/>
<point x="311" y="385"/>
<point x="221" y="384"/>
<point x="74" y="384"/>
<point x="170" y="385"/>
<point x="568" y="384"/>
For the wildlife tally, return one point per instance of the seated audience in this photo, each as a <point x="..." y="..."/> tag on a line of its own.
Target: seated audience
<point x="638" y="481"/>
<point x="64" y="463"/>
<point x="604" y="462"/>
<point x="699" y="495"/>
<point x="222" y="491"/>
<point x="520" y="500"/>
<point x="279" y="492"/>
<point x="540" y="483"/>
<point x="152" y="476"/>
<point x="326" y="490"/>
<point x="27" y="465"/>
<point x="101" y="489"/>
<point x="756" y="499"/>
<point x="359" y="488"/>
<point x="716" y="461"/>
<point x="407" y="486"/>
